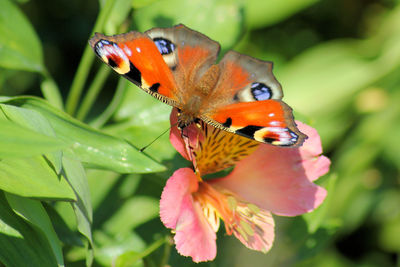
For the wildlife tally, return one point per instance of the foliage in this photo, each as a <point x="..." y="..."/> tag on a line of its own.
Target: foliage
<point x="76" y="190"/>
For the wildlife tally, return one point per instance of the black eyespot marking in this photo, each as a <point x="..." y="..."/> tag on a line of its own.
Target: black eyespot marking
<point x="154" y="87"/>
<point x="269" y="140"/>
<point x="112" y="63"/>
<point x="248" y="131"/>
<point x="228" y="122"/>
<point x="164" y="46"/>
<point x="134" y="75"/>
<point x="260" y="91"/>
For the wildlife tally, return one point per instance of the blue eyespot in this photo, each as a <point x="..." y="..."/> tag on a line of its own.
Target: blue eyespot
<point x="260" y="91"/>
<point x="164" y="46"/>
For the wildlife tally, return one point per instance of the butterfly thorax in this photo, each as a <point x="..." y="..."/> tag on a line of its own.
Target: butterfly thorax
<point x="197" y="97"/>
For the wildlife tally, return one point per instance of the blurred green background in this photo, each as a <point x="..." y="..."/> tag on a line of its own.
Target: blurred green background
<point x="338" y="62"/>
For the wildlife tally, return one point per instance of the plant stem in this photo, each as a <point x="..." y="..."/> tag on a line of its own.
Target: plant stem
<point x="115" y="102"/>
<point x="50" y="90"/>
<point x="86" y="61"/>
<point x="93" y="92"/>
<point x="167" y="251"/>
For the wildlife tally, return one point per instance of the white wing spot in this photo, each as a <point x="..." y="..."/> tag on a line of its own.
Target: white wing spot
<point x="128" y="51"/>
<point x="138" y="49"/>
<point x="271" y="114"/>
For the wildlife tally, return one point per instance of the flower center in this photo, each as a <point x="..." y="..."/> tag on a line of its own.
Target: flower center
<point x="219" y="149"/>
<point x="245" y="220"/>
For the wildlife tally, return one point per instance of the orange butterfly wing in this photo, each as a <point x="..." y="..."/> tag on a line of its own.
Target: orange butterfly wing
<point x="251" y="104"/>
<point x="267" y="121"/>
<point x="176" y="65"/>
<point x="135" y="56"/>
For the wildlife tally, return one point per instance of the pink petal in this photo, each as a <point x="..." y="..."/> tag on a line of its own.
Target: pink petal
<point x="194" y="236"/>
<point x="180" y="185"/>
<point x="279" y="179"/>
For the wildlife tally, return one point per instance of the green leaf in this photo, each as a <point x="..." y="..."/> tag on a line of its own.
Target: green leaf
<point x="67" y="234"/>
<point x="133" y="213"/>
<point x="110" y="247"/>
<point x="89" y="145"/>
<point x="317" y="217"/>
<point x="20" y="47"/>
<point x="133" y="258"/>
<point x="17" y="141"/>
<point x="263" y="13"/>
<point x="35" y="121"/>
<point x="20" y="243"/>
<point x="130" y="258"/>
<point x="33" y="177"/>
<point x="118" y="14"/>
<point x="33" y="212"/>
<point x="83" y="209"/>
<point x="142" y="3"/>
<point x="143" y="119"/>
<point x="342" y="63"/>
<point x="225" y="17"/>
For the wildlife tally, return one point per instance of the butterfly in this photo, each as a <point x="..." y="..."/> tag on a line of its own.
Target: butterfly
<point x="177" y="65"/>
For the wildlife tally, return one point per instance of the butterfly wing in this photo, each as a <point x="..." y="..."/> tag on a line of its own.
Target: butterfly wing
<point x="162" y="61"/>
<point x="267" y="121"/>
<point x="170" y="64"/>
<point x="192" y="56"/>
<point x="251" y="104"/>
<point x="135" y="56"/>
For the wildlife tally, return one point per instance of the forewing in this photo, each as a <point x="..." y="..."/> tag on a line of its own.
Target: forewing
<point x="188" y="53"/>
<point x="135" y="56"/>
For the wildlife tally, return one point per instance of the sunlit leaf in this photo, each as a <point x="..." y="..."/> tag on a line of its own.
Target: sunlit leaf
<point x="20" y="243"/>
<point x="220" y="20"/>
<point x="110" y="247"/>
<point x="143" y="118"/>
<point x="35" y="121"/>
<point x="34" y="213"/>
<point x="133" y="213"/>
<point x="17" y="141"/>
<point x="20" y="47"/>
<point x="83" y="209"/>
<point x="263" y="13"/>
<point x="118" y="14"/>
<point x="33" y="177"/>
<point x="90" y="145"/>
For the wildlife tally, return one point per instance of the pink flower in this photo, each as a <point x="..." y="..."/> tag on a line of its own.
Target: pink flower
<point x="266" y="179"/>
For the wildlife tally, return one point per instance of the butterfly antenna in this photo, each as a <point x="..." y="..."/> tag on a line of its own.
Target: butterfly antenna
<point x="146" y="146"/>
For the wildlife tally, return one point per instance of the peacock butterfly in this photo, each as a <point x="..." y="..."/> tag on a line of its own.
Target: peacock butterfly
<point x="177" y="66"/>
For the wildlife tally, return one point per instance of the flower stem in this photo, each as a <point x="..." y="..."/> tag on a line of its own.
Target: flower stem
<point x="130" y="258"/>
<point x="115" y="102"/>
<point x="93" y="92"/>
<point x="167" y="251"/>
<point x="86" y="61"/>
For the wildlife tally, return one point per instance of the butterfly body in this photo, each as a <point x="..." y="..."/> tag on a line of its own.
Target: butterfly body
<point x="178" y="66"/>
